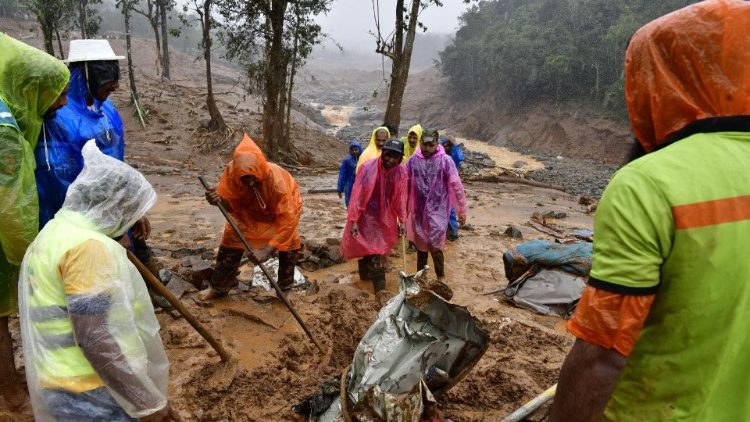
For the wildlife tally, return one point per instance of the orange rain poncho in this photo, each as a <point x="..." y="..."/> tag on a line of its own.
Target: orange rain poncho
<point x="371" y="152"/>
<point x="268" y="216"/>
<point x="671" y="82"/>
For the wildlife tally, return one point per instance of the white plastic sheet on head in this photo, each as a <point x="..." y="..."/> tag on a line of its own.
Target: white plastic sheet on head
<point x="115" y="205"/>
<point x="419" y="345"/>
<point x="114" y="314"/>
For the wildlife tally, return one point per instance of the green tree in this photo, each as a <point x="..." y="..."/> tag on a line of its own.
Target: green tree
<point x="522" y="52"/>
<point x="262" y="38"/>
<point x="52" y="16"/>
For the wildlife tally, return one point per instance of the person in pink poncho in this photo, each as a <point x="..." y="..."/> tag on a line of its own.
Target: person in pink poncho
<point x="434" y="188"/>
<point x="376" y="209"/>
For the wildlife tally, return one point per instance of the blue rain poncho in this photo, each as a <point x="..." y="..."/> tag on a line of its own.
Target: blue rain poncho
<point x="347" y="172"/>
<point x="58" y="153"/>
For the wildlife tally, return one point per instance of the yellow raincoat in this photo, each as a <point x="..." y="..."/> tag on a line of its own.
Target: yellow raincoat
<point x="408" y="150"/>
<point x="30" y="82"/>
<point x="372" y="151"/>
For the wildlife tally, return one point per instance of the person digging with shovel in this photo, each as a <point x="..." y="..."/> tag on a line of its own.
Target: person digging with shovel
<point x="265" y="201"/>
<point x="377" y="207"/>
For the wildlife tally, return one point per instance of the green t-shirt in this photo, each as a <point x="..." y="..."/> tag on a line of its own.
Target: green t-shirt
<point x="677" y="223"/>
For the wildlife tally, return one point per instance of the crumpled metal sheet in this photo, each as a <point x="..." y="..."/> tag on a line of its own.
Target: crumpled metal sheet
<point x="260" y="280"/>
<point x="418" y="340"/>
<point x="548" y="292"/>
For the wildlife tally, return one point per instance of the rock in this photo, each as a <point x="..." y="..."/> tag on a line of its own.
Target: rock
<point x="165" y="275"/>
<point x="343" y="279"/>
<point x="313" y="288"/>
<point x="200" y="271"/>
<point x="243" y="287"/>
<point x="179" y="287"/>
<point x="554" y="214"/>
<point x="183" y="252"/>
<point x="467" y="227"/>
<point x="519" y="164"/>
<point x="333" y="241"/>
<point x="585" y="200"/>
<point x="513" y="232"/>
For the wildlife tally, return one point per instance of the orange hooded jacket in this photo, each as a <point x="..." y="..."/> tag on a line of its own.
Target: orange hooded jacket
<point x="267" y="215"/>
<point x="670" y="82"/>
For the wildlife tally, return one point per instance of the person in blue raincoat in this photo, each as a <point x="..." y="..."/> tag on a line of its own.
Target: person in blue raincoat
<point x="456" y="152"/>
<point x="347" y="171"/>
<point x="89" y="114"/>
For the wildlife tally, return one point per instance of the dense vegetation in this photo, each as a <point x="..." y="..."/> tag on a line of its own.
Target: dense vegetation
<point x="522" y="52"/>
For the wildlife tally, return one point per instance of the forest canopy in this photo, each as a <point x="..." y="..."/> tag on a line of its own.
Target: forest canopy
<point x="522" y="52"/>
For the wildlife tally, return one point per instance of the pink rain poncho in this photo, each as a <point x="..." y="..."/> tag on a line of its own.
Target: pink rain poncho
<point x="434" y="188"/>
<point x="377" y="203"/>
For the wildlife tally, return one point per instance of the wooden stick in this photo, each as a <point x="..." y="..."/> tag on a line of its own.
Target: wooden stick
<point x="263" y="268"/>
<point x="156" y="284"/>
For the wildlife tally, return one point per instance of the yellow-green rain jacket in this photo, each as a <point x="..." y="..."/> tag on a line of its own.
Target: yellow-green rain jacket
<point x="372" y="151"/>
<point x="408" y="150"/>
<point x="30" y="82"/>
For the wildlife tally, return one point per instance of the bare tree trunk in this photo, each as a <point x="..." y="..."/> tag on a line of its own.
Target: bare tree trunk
<point x="275" y="79"/>
<point x="82" y="18"/>
<point x="131" y="72"/>
<point x="401" y="61"/>
<point x="217" y="120"/>
<point x="47" y="33"/>
<point x="164" y="41"/>
<point x="292" y="73"/>
<point x="59" y="44"/>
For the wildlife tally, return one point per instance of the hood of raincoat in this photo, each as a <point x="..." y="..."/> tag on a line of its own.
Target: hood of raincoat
<point x="30" y="82"/>
<point x="356" y="144"/>
<point x="408" y="150"/>
<point x="247" y="160"/>
<point x="109" y="193"/>
<point x="372" y="151"/>
<point x="687" y="66"/>
<point x="78" y="90"/>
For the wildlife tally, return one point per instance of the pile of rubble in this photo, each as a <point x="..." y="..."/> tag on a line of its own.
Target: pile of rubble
<point x="316" y="254"/>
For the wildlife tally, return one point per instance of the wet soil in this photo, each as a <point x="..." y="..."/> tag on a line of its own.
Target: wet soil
<point x="277" y="365"/>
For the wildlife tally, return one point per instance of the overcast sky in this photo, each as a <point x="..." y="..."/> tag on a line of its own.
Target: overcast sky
<point x="349" y="21"/>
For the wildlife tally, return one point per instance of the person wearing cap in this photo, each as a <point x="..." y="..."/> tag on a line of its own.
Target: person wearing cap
<point x="265" y="201"/>
<point x="91" y="339"/>
<point x="32" y="85"/>
<point x="434" y="188"/>
<point x="456" y="152"/>
<point x="89" y="114"/>
<point x="376" y="212"/>
<point x="372" y="152"/>
<point x="662" y="326"/>
<point x="347" y="171"/>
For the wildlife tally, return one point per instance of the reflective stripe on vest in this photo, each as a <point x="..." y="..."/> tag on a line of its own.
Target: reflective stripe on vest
<point x="6" y="117"/>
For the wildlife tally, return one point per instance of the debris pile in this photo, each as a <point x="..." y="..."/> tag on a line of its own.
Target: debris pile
<point x="316" y="254"/>
<point x="419" y="347"/>
<point x="547" y="277"/>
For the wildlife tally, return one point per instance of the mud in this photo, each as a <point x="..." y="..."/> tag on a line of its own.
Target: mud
<point x="277" y="365"/>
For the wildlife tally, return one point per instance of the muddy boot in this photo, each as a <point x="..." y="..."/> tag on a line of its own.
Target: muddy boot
<point x="378" y="278"/>
<point x="364" y="271"/>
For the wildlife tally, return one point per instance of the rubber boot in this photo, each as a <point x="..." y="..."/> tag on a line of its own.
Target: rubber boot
<point x="364" y="273"/>
<point x="378" y="280"/>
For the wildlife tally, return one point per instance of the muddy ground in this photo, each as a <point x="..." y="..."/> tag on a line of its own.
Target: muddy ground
<point x="278" y="366"/>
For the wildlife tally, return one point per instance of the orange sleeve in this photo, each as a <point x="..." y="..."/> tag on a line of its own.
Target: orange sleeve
<point x="610" y="320"/>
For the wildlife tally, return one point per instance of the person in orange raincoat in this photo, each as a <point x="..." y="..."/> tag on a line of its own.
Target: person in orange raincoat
<point x="265" y="201"/>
